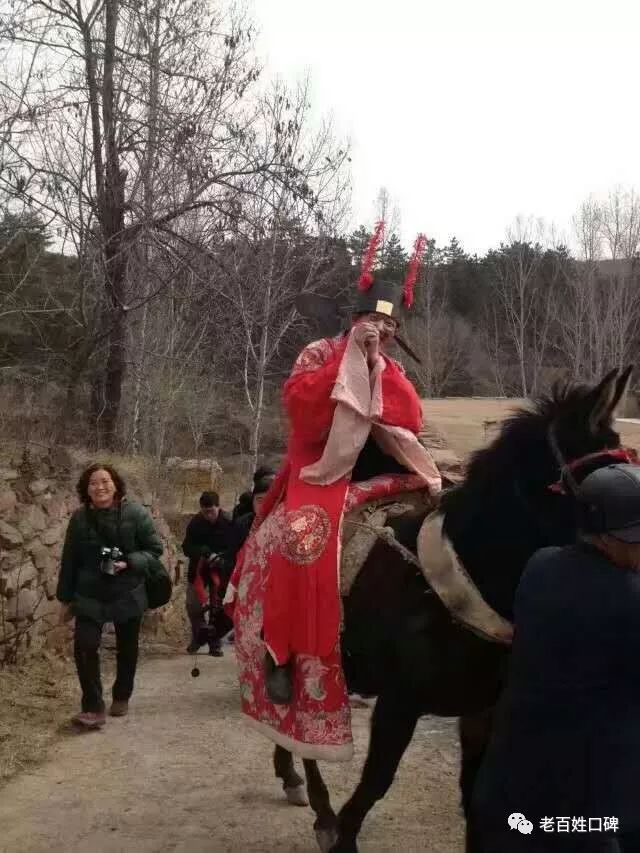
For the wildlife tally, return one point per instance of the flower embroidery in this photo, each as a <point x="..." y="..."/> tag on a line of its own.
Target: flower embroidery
<point x="246" y="691"/>
<point x="306" y="533"/>
<point x="313" y="672"/>
<point x="315" y="355"/>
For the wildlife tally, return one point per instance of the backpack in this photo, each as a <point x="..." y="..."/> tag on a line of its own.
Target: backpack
<point x="158" y="585"/>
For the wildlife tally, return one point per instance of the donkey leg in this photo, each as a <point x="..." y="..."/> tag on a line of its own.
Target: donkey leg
<point x="326" y="822"/>
<point x="392" y="727"/>
<point x="474" y="730"/>
<point x="292" y="782"/>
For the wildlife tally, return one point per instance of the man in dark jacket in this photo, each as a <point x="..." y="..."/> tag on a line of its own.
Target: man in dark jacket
<point x="263" y="474"/>
<point x="243" y="523"/>
<point x="562" y="771"/>
<point x="208" y="539"/>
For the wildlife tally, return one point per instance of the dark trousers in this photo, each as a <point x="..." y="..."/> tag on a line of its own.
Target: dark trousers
<point x="202" y="632"/>
<point x="87" y="654"/>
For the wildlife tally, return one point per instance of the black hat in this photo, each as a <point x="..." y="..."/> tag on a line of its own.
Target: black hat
<point x="610" y="502"/>
<point x="263" y="471"/>
<point x="262" y="485"/>
<point x="383" y="297"/>
<point x="387" y="297"/>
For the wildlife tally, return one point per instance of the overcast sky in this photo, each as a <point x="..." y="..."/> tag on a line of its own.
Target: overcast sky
<point x="470" y="112"/>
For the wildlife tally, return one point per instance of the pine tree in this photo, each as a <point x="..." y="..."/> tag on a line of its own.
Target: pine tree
<point x="357" y="244"/>
<point x="454" y="252"/>
<point x="394" y="259"/>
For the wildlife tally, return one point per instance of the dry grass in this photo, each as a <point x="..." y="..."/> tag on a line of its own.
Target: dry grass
<point x="37" y="701"/>
<point x="464" y="422"/>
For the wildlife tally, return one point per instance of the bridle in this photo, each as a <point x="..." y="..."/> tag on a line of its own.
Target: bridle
<point x="567" y="469"/>
<point x="567" y="484"/>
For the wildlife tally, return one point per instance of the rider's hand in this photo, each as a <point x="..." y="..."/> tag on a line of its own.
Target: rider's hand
<point x="373" y="352"/>
<point x="367" y="337"/>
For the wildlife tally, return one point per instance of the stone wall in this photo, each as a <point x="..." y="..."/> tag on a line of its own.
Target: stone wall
<point x="37" y="498"/>
<point x="184" y="480"/>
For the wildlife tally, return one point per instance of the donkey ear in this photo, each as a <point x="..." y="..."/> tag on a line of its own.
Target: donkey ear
<point x="601" y="401"/>
<point x="622" y="384"/>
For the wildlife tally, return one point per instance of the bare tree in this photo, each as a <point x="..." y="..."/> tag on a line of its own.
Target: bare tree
<point x="587" y="225"/>
<point x="525" y="300"/>
<point x="599" y="312"/>
<point x="387" y="210"/>
<point x="620" y="223"/>
<point x="290" y="251"/>
<point x="152" y="100"/>
<point x="439" y="337"/>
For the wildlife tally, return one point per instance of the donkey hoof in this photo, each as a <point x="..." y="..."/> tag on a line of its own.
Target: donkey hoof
<point x="296" y="796"/>
<point x="326" y="839"/>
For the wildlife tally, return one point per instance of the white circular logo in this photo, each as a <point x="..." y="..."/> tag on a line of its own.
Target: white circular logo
<point x="518" y="821"/>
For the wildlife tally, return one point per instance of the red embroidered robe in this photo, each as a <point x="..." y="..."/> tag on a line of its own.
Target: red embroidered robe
<point x="333" y="402"/>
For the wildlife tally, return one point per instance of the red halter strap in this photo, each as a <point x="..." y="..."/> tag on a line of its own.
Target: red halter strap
<point x="619" y="454"/>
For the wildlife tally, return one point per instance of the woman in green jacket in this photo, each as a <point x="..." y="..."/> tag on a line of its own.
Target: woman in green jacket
<point x="110" y="546"/>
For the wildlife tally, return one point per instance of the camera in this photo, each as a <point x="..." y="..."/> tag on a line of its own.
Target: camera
<point x="109" y="556"/>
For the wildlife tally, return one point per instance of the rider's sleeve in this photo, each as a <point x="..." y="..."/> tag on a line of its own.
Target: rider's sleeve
<point x="307" y="391"/>
<point x="400" y="402"/>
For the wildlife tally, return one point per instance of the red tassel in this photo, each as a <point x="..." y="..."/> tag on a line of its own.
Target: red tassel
<point x="413" y="269"/>
<point x="366" y="276"/>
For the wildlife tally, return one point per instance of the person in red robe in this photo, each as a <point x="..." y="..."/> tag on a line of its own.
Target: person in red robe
<point x="353" y="415"/>
<point x="350" y="407"/>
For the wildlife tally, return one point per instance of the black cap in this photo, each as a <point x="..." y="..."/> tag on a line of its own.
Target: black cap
<point x="262" y="472"/>
<point x="262" y="485"/>
<point x="610" y="499"/>
<point x="383" y="297"/>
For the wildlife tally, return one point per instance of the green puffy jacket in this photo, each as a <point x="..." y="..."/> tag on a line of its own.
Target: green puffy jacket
<point x="94" y="595"/>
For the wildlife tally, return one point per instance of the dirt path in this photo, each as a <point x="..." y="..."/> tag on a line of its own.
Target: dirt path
<point x="182" y="773"/>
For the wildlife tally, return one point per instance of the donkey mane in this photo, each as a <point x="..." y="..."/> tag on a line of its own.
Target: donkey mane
<point x="526" y="429"/>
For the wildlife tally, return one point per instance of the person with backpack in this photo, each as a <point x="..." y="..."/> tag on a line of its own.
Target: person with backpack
<point x="110" y="551"/>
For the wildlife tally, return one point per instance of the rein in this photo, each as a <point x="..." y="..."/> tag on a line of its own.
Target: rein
<point x="567" y="469"/>
<point x="568" y="484"/>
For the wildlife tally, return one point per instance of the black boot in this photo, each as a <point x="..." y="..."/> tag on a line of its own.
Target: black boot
<point x="278" y="681"/>
<point x="215" y="649"/>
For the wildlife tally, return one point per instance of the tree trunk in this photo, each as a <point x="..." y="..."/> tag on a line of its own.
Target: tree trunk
<point x="113" y="230"/>
<point x="137" y="400"/>
<point x="148" y="185"/>
<point x="259" y="399"/>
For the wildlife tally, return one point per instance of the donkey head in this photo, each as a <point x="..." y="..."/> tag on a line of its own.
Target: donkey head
<point x="507" y="508"/>
<point x="581" y="419"/>
<point x="535" y="442"/>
